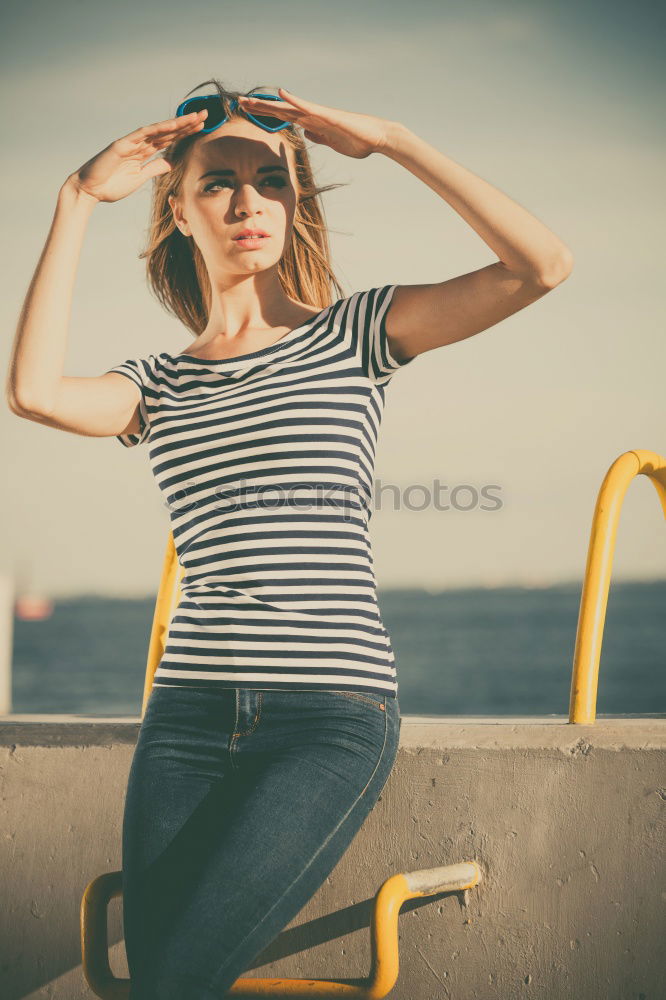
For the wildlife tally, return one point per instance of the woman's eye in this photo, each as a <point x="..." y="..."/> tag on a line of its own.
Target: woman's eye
<point x="276" y="180"/>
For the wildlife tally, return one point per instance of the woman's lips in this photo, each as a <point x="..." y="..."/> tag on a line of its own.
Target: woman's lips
<point x="252" y="242"/>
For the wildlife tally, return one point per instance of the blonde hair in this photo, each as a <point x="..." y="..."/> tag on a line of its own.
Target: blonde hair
<point x="176" y="270"/>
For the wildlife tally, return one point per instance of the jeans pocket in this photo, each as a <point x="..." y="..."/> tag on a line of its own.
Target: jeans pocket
<point x="378" y="701"/>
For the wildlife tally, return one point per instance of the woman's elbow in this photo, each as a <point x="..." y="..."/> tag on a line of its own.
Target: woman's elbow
<point x="559" y="270"/>
<point x="17" y="404"/>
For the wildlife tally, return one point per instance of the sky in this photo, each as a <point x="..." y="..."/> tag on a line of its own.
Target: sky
<point x="558" y="106"/>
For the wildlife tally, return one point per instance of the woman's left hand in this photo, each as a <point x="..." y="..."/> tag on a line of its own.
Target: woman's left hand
<point x="347" y="132"/>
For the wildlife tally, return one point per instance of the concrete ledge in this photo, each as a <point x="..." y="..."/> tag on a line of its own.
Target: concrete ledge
<point x="565" y="821"/>
<point x="439" y="731"/>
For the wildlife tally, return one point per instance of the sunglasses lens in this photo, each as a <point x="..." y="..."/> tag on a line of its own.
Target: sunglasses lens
<point x="269" y="121"/>
<point x="212" y="104"/>
<point x="268" y="93"/>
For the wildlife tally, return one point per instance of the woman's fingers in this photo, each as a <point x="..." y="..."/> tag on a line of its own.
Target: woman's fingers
<point x="173" y="124"/>
<point x="151" y="137"/>
<point x="169" y="126"/>
<point x="306" y="114"/>
<point x="290" y="102"/>
<point x="298" y="101"/>
<point x="276" y="108"/>
<point x="172" y="127"/>
<point x="160" y="138"/>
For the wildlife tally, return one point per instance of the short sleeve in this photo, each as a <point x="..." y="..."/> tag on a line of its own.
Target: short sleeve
<point x="370" y="314"/>
<point x="141" y="372"/>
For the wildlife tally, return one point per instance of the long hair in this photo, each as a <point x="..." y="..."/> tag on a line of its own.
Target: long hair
<point x="176" y="270"/>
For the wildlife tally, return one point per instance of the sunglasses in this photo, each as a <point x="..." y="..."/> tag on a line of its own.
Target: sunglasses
<point x="216" y="116"/>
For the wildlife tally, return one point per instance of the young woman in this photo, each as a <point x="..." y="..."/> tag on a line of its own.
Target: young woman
<point x="274" y="722"/>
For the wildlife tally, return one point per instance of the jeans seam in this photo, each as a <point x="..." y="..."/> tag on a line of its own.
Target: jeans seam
<point x="233" y="742"/>
<point x="255" y="720"/>
<point x="321" y="847"/>
<point x="379" y="705"/>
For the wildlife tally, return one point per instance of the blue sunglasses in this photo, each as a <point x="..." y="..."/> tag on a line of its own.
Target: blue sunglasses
<point x="216" y="116"/>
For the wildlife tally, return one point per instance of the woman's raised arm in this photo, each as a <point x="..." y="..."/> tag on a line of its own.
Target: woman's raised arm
<point x="36" y="387"/>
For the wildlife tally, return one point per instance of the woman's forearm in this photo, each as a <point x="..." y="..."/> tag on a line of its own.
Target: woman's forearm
<point x="522" y="243"/>
<point x="40" y="343"/>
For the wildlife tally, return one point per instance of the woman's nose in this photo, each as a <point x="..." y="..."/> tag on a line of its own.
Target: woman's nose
<point x="248" y="197"/>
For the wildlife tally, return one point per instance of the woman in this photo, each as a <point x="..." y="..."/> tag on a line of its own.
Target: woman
<point x="274" y="722"/>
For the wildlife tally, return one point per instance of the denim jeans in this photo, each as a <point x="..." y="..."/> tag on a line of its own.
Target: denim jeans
<point x="240" y="803"/>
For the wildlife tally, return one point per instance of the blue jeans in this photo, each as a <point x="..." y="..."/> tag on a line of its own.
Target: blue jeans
<point x="240" y="803"/>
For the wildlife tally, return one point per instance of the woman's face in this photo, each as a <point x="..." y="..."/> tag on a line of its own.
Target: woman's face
<point x="238" y="177"/>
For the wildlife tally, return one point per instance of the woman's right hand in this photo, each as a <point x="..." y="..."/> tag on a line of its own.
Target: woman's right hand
<point x="125" y="164"/>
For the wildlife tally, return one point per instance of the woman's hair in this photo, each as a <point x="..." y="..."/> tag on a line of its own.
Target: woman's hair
<point x="176" y="269"/>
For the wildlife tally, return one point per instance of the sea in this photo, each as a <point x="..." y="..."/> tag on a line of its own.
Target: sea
<point x="502" y="651"/>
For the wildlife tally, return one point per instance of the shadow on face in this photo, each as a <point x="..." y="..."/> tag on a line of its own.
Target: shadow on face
<point x="235" y="177"/>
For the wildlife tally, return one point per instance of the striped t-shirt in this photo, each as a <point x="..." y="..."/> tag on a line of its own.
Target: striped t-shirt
<point x="265" y="462"/>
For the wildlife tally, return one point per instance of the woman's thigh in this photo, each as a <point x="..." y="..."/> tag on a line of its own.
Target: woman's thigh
<point x="243" y="802"/>
<point x="179" y="794"/>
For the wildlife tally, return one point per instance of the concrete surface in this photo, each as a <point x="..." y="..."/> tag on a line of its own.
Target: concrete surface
<point x="565" y="821"/>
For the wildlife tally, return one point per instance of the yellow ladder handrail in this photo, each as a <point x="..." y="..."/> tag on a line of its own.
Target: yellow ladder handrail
<point x="596" y="583"/>
<point x="164" y="605"/>
<point x="384" y="940"/>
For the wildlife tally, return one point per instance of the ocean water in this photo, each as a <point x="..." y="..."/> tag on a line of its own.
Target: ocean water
<point x="503" y="651"/>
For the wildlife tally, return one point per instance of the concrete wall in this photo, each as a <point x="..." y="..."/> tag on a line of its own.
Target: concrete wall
<point x="564" y="821"/>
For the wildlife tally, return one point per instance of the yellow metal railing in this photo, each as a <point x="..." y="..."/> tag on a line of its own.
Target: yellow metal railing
<point x="395" y="891"/>
<point x="594" y="596"/>
<point x="172" y="575"/>
<point x="408" y="885"/>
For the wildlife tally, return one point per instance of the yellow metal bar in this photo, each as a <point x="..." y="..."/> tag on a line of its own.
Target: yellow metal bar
<point x="395" y="891"/>
<point x="164" y="604"/>
<point x="596" y="583"/>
